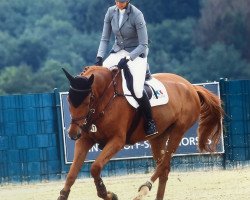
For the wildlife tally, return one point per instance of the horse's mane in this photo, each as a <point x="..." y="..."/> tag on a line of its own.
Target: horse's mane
<point x="92" y="69"/>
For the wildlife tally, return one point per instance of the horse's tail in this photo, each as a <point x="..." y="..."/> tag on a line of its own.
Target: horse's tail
<point x="210" y="122"/>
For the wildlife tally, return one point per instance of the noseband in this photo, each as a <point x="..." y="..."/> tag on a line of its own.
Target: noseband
<point x="90" y="119"/>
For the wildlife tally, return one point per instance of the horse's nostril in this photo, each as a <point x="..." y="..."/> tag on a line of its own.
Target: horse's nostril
<point x="76" y="137"/>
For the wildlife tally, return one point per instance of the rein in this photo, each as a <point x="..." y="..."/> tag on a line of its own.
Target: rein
<point x="89" y="119"/>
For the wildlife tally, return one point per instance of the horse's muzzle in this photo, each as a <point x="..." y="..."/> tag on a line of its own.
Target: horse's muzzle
<point x="74" y="132"/>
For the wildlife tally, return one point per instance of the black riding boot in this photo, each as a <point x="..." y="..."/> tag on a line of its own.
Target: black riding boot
<point x="144" y="105"/>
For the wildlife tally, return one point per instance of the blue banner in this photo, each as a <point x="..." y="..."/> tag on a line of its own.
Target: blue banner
<point x="188" y="143"/>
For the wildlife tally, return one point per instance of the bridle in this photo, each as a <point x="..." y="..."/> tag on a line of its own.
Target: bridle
<point x="90" y="119"/>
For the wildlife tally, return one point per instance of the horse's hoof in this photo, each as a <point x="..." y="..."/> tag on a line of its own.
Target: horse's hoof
<point x="112" y="196"/>
<point x="63" y="195"/>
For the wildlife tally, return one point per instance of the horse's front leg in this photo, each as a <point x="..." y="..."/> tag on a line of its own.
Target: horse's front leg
<point x="111" y="148"/>
<point x="82" y="147"/>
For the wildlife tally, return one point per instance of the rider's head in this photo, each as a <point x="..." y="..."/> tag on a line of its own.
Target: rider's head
<point x="121" y="4"/>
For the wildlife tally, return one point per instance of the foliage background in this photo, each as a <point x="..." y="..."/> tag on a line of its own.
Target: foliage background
<point x="202" y="40"/>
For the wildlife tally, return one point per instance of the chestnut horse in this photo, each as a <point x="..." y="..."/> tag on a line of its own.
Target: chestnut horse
<point x="96" y="97"/>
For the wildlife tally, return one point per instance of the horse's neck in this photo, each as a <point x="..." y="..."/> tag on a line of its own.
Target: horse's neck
<point x="103" y="79"/>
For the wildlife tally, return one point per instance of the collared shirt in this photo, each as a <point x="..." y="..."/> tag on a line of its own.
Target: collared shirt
<point x="121" y="14"/>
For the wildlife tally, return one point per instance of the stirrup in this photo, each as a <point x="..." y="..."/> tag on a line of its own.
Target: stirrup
<point x="151" y="134"/>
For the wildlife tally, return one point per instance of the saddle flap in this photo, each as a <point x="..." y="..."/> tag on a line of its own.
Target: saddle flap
<point x="155" y="89"/>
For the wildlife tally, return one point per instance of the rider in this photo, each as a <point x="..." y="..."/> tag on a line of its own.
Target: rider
<point x="129" y="50"/>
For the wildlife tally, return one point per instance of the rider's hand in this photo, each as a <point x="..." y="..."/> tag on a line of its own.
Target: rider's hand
<point x="123" y="63"/>
<point x="99" y="61"/>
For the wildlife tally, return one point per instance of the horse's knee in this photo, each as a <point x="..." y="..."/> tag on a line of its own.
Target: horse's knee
<point x="95" y="169"/>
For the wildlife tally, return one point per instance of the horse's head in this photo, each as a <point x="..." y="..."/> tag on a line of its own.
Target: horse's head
<point x="78" y="98"/>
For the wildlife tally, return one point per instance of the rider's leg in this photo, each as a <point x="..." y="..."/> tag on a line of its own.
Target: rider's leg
<point x="138" y="69"/>
<point x="113" y="58"/>
<point x="150" y="127"/>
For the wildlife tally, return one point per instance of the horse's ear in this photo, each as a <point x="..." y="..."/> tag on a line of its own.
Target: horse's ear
<point x="70" y="77"/>
<point x="91" y="79"/>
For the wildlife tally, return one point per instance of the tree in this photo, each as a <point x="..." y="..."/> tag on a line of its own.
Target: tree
<point x="12" y="18"/>
<point x="171" y="41"/>
<point x="50" y="76"/>
<point x="32" y="52"/>
<point x="16" y="80"/>
<point x="157" y="11"/>
<point x="87" y="16"/>
<point x="219" y="61"/>
<point x="225" y="21"/>
<point x="8" y="50"/>
<point x="196" y="40"/>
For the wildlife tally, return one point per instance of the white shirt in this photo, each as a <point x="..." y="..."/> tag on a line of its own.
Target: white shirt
<point x="121" y="14"/>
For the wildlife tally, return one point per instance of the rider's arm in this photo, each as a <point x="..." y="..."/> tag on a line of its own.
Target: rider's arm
<point x="106" y="32"/>
<point x="141" y="29"/>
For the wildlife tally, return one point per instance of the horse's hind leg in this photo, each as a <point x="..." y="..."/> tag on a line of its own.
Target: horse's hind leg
<point x="158" y="147"/>
<point x="163" y="168"/>
<point x="81" y="149"/>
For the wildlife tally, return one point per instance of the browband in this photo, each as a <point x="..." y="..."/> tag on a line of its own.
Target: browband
<point x="77" y="90"/>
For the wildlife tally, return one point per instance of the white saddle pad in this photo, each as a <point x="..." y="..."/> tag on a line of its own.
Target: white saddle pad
<point x="154" y="83"/>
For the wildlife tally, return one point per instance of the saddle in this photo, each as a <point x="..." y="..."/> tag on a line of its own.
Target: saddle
<point x="155" y="90"/>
